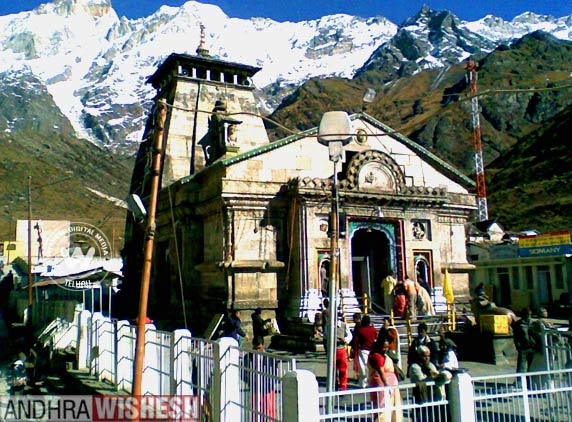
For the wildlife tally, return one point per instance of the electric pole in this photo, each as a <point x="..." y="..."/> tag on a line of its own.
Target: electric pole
<point x="482" y="209"/>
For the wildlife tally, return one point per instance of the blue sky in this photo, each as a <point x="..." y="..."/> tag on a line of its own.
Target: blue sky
<point x="296" y="10"/>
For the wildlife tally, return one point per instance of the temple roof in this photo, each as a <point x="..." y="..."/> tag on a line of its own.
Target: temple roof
<point x="177" y="62"/>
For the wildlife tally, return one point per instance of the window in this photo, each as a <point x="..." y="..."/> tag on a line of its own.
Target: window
<point x="201" y="73"/>
<point x="228" y="78"/>
<point x="491" y="275"/>
<point x="528" y="277"/>
<point x="515" y="278"/>
<point x="559" y="275"/>
<point x="503" y="276"/>
<point x="424" y="267"/>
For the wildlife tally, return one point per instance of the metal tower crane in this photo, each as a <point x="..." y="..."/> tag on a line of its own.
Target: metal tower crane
<point x="482" y="210"/>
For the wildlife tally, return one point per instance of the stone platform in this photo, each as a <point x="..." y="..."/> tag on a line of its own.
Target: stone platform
<point x="487" y="348"/>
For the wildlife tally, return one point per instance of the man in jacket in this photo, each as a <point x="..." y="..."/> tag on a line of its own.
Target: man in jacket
<point x="422" y="339"/>
<point x="258" y="329"/>
<point x="234" y="328"/>
<point x="523" y="341"/>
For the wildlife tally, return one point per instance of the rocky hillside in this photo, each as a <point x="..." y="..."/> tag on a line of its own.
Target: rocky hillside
<point x="70" y="178"/>
<point x="524" y="89"/>
<point x="528" y="185"/>
<point x="525" y="102"/>
<point x="521" y="87"/>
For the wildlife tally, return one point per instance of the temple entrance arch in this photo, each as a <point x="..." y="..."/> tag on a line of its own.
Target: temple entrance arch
<point x="372" y="257"/>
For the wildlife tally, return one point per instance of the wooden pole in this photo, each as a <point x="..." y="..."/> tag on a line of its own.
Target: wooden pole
<point x="160" y="116"/>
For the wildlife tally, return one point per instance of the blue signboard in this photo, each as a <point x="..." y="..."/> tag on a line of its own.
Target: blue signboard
<point x="551" y="250"/>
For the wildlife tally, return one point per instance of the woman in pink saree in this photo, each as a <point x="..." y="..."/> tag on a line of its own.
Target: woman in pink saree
<point x="381" y="373"/>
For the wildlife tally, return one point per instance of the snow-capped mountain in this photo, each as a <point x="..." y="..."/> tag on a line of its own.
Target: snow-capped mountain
<point x="95" y="63"/>
<point x="438" y="39"/>
<point x="496" y="29"/>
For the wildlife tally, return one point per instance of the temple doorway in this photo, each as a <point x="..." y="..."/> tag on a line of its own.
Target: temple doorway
<point x="371" y="262"/>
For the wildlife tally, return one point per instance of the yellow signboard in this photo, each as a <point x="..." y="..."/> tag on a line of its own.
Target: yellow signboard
<point x="548" y="239"/>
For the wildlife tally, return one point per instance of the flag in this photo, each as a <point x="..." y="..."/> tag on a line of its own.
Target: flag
<point x="448" y="288"/>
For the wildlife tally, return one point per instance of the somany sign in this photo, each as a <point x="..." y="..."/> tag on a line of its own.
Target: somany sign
<point x="546" y="244"/>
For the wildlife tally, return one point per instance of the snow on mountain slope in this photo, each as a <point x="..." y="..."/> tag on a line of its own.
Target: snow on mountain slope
<point x="497" y="29"/>
<point x="95" y="63"/>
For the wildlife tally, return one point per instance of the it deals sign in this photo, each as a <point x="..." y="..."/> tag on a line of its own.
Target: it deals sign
<point x="99" y="408"/>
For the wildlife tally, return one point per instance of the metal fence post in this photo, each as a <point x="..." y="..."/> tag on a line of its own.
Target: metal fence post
<point x="94" y="353"/>
<point x="215" y="389"/>
<point x="115" y="354"/>
<point x="173" y="359"/>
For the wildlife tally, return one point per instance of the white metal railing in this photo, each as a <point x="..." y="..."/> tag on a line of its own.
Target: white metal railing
<point x="158" y="363"/>
<point x="194" y="369"/>
<point x="124" y="357"/>
<point x="527" y="397"/>
<point x="63" y="334"/>
<point x="558" y="351"/>
<point x="223" y="380"/>
<point x="261" y="389"/>
<point x="102" y="360"/>
<point x="227" y="382"/>
<point x="404" y="402"/>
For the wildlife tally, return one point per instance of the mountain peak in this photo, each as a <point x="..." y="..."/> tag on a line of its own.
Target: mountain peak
<point x="424" y="14"/>
<point x="93" y="8"/>
<point x="427" y="17"/>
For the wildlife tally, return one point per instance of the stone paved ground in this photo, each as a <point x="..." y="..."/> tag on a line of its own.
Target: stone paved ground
<point x="316" y="363"/>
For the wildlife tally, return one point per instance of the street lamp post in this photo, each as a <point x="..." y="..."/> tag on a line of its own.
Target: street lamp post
<point x="334" y="265"/>
<point x="334" y="132"/>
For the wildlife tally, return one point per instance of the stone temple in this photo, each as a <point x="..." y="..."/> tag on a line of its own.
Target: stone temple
<point x="242" y="222"/>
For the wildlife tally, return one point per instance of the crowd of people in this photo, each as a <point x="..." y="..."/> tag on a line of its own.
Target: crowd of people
<point x="372" y="356"/>
<point x="374" y="353"/>
<point x="406" y="297"/>
<point x="376" y="362"/>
